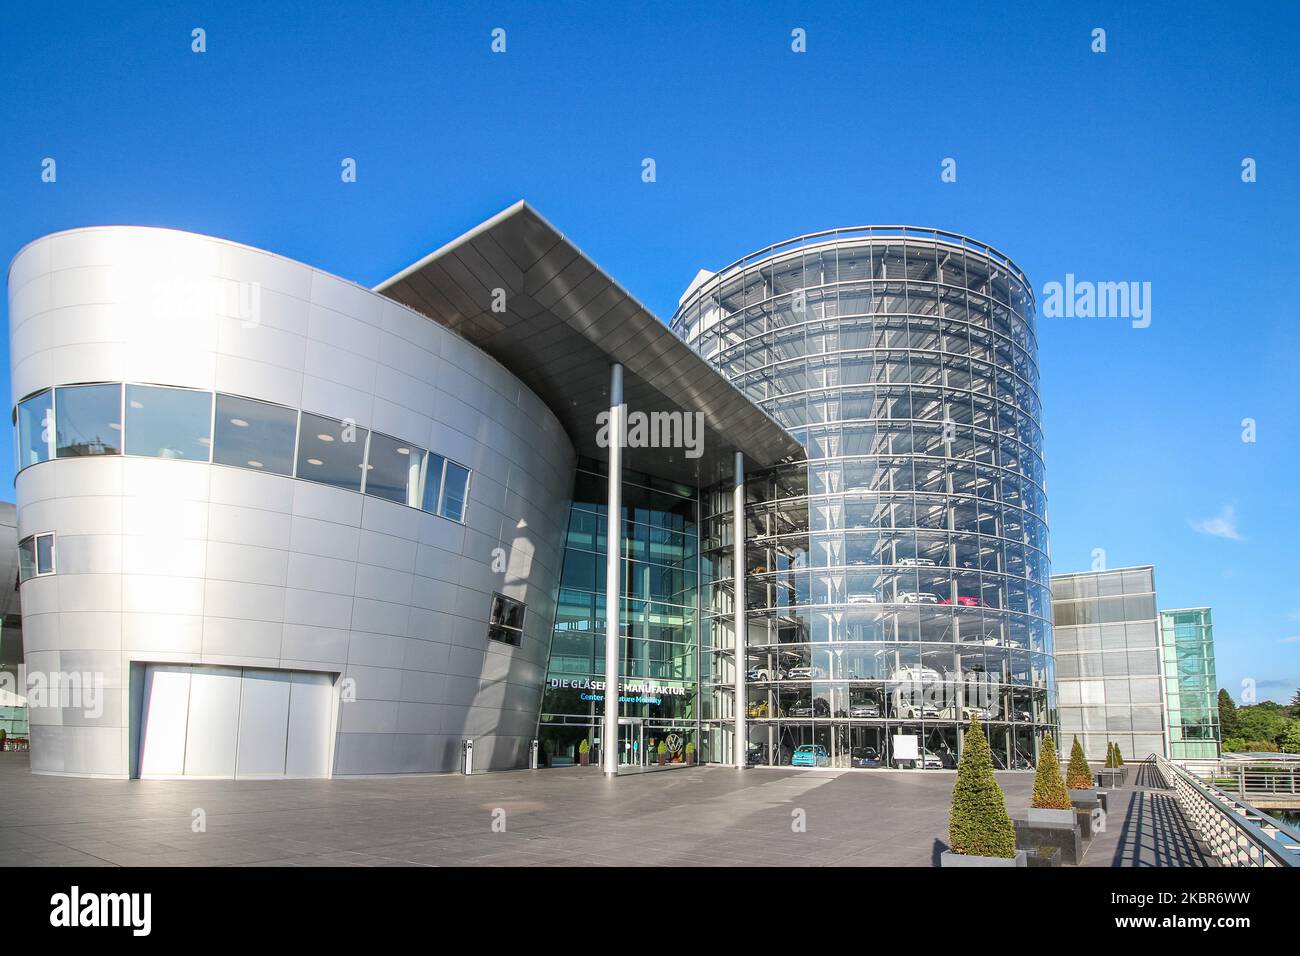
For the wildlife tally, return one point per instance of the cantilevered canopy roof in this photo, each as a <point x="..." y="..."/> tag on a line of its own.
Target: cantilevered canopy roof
<point x="565" y="322"/>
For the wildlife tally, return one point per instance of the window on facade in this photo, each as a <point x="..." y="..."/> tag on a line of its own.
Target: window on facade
<point x="256" y="435"/>
<point x="331" y="452"/>
<point x="506" y="622"/>
<point x="432" y="482"/>
<point x="36" y="429"/>
<point x="35" y="556"/>
<point x="168" y="422"/>
<point x="393" y="470"/>
<point x="88" y="420"/>
<point x="181" y="424"/>
<point x="455" y="486"/>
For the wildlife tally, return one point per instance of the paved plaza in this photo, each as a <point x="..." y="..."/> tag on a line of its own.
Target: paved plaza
<point x="700" y="816"/>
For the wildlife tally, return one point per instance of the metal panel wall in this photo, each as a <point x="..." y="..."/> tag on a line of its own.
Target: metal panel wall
<point x="263" y="724"/>
<point x="167" y="699"/>
<point x="210" y="738"/>
<point x="185" y="562"/>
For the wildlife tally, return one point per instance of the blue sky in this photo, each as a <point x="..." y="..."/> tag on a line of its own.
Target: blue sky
<point x="1117" y="166"/>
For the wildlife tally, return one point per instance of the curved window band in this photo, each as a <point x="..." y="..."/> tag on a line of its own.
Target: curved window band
<point x="174" y="423"/>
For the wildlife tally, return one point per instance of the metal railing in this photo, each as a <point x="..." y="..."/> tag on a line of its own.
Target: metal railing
<point x="1272" y="780"/>
<point x="1235" y="833"/>
<point x="897" y="233"/>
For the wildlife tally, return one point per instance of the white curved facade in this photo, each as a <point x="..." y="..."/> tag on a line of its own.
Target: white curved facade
<point x="265" y="582"/>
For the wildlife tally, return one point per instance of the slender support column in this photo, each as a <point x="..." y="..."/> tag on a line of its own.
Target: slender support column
<point x="613" y="572"/>
<point x="738" y="570"/>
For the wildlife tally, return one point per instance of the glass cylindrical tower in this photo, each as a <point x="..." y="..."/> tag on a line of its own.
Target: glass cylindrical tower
<point x="898" y="580"/>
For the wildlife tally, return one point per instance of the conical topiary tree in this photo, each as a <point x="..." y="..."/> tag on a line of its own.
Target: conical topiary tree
<point x="1119" y="757"/>
<point x="1110" y="755"/>
<point x="1077" y="774"/>
<point x="1049" y="788"/>
<point x="978" y="824"/>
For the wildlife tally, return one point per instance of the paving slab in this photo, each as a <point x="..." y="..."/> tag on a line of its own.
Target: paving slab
<point x="702" y="816"/>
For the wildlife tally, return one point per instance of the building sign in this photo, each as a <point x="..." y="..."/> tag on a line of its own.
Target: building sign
<point x="907" y="747"/>
<point x="641" y="687"/>
<point x="640" y="692"/>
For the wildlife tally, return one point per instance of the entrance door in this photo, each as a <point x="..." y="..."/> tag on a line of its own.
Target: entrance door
<point x="631" y="742"/>
<point x="205" y="721"/>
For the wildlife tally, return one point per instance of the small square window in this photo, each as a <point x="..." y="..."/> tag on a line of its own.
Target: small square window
<point x="45" y="554"/>
<point x="506" y="622"/>
<point x="35" y="556"/>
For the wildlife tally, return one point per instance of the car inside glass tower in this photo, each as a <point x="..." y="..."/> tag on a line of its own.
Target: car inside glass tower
<point x="897" y="582"/>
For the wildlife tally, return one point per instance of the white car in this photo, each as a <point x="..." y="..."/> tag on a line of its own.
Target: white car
<point x="968" y="713"/>
<point x="930" y="760"/>
<point x="761" y="675"/>
<point x="863" y="599"/>
<point x="917" y="597"/>
<point x="915" y="563"/>
<point x="910" y="710"/>
<point x="804" y="672"/>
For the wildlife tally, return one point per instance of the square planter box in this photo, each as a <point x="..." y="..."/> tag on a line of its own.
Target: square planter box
<point x="1083" y="798"/>
<point x="1040" y="815"/>
<point x="1045" y="856"/>
<point x="1065" y="838"/>
<point x="1110" y="779"/>
<point x="948" y="858"/>
<point x="1092" y="820"/>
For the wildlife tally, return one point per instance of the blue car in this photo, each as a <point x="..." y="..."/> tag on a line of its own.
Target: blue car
<point x="810" y="755"/>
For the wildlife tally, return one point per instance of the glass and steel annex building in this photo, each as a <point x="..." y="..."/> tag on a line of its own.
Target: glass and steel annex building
<point x="1108" y="659"/>
<point x="909" y="551"/>
<point x="275" y="524"/>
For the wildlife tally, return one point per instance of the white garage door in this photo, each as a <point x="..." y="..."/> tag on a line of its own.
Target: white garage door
<point x="234" y="722"/>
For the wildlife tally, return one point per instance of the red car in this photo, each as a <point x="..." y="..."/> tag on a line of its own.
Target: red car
<point x="967" y="602"/>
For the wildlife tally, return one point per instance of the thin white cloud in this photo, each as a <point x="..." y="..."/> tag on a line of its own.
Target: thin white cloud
<point x="1289" y="640"/>
<point x="1222" y="525"/>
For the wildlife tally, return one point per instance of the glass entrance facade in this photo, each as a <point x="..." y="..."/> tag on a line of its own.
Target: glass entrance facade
<point x="897" y="581"/>
<point x="659" y="696"/>
<point x="1191" y="688"/>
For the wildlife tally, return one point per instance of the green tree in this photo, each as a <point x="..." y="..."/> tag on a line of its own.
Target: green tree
<point x="1260" y="747"/>
<point x="1291" y="739"/>
<point x="1049" y="788"/>
<point x="1119" y="755"/>
<point x="1078" y="776"/>
<point x="1263" y="721"/>
<point x="1294" y="706"/>
<point x="1229" y="723"/>
<point x="978" y="824"/>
